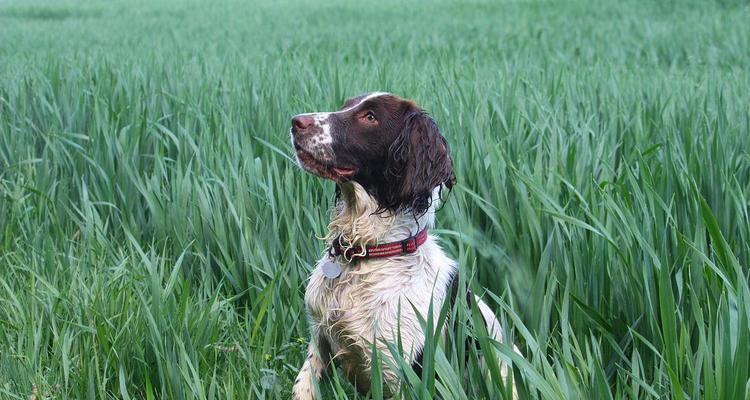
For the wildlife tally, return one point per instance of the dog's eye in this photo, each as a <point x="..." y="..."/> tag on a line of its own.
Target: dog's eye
<point x="370" y="116"/>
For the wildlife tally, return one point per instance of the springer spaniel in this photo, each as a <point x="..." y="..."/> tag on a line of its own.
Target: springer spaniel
<point x="391" y="164"/>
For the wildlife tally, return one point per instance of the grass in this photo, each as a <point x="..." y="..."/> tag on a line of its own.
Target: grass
<point x="155" y="236"/>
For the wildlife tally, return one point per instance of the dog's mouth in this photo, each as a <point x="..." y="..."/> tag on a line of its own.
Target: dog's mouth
<point x="334" y="172"/>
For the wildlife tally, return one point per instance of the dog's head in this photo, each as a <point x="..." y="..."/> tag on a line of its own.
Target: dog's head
<point x="385" y="143"/>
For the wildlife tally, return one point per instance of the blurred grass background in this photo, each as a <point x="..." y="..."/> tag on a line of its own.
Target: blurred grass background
<point x="155" y="235"/>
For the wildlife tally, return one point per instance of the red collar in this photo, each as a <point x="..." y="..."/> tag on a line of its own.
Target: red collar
<point x="406" y="246"/>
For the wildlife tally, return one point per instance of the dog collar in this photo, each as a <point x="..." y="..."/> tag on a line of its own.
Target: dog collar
<point x="406" y="246"/>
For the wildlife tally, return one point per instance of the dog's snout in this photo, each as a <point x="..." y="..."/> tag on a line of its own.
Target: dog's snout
<point x="302" y="122"/>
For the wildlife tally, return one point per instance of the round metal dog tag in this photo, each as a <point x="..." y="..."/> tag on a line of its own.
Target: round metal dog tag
<point x="331" y="269"/>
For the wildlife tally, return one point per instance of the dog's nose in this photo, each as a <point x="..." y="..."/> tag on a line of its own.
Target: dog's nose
<point x="302" y="122"/>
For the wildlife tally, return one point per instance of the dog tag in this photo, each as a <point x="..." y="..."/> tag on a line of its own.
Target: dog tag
<point x="331" y="269"/>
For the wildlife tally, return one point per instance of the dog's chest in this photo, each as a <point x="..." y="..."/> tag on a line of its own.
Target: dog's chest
<point x="357" y="303"/>
<point x="376" y="300"/>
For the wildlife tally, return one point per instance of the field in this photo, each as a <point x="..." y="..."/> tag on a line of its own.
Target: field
<point x="156" y="235"/>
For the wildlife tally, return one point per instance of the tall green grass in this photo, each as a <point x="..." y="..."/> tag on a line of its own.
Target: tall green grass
<point x="155" y="235"/>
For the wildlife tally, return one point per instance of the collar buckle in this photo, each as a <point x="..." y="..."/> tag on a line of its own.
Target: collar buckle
<point x="405" y="245"/>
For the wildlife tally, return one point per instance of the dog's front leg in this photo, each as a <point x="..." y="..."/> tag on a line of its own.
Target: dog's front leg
<point x="311" y="371"/>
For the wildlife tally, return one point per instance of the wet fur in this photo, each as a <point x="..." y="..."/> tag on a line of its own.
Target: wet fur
<point x="363" y="303"/>
<point x="347" y="313"/>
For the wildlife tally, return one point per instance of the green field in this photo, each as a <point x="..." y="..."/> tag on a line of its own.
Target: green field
<point x="156" y="236"/>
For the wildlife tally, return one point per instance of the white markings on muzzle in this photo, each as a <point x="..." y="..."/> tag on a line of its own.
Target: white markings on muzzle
<point x="325" y="136"/>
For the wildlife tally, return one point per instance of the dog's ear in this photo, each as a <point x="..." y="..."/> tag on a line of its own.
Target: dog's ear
<point x="418" y="161"/>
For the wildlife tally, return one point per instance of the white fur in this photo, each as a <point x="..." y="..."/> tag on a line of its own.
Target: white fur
<point x="364" y="302"/>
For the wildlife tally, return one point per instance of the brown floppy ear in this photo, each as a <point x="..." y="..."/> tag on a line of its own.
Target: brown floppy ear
<point x="418" y="161"/>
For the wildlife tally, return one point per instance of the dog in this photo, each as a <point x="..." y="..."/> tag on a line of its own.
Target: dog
<point x="383" y="270"/>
